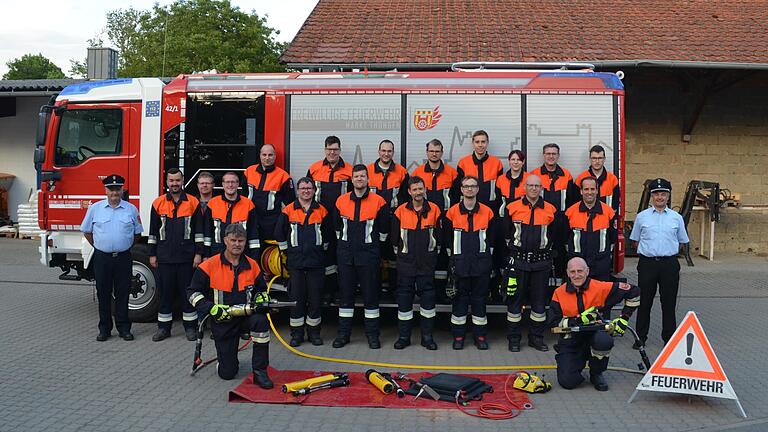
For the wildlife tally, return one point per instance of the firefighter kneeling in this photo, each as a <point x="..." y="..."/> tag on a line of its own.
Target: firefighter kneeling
<point x="579" y="303"/>
<point x="232" y="278"/>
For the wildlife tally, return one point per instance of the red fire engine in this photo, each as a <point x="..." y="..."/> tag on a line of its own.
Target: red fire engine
<point x="139" y="127"/>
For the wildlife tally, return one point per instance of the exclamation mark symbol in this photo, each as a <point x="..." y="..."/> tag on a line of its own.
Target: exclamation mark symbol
<point x="689" y="348"/>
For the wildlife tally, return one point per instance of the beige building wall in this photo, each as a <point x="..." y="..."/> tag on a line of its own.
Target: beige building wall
<point x="729" y="145"/>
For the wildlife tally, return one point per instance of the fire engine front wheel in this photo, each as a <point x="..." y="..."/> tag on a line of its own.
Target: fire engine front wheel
<point x="145" y="297"/>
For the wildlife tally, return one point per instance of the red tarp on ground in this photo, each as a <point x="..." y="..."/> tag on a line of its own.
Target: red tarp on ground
<point x="360" y="393"/>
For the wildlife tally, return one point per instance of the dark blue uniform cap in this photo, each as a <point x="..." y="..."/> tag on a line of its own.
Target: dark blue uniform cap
<point x="113" y="180"/>
<point x="661" y="184"/>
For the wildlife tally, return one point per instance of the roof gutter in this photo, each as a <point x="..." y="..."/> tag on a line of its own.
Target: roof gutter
<point x="678" y="64"/>
<point x="22" y="93"/>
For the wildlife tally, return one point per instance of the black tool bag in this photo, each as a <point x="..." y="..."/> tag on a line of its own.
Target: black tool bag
<point x="446" y="385"/>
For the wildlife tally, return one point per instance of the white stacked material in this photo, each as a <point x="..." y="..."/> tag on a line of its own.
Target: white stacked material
<point x="27" y="214"/>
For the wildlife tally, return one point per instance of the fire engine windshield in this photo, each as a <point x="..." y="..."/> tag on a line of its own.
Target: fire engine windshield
<point x="85" y="133"/>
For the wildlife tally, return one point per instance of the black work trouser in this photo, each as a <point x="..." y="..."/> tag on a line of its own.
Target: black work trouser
<point x="665" y="273"/>
<point x="574" y="352"/>
<point x="174" y="280"/>
<point x="226" y="336"/>
<point x="349" y="278"/>
<point x="113" y="277"/>
<point x="407" y="287"/>
<point x="305" y="286"/>
<point x="470" y="291"/>
<point x="533" y="290"/>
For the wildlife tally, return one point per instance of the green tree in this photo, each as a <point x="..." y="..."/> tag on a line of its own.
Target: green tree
<point x="32" y="66"/>
<point x="192" y="36"/>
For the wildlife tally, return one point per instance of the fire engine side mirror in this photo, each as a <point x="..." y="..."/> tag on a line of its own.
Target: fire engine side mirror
<point x="42" y="125"/>
<point x="39" y="154"/>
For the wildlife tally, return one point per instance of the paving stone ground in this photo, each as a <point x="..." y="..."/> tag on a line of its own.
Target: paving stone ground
<point x="55" y="376"/>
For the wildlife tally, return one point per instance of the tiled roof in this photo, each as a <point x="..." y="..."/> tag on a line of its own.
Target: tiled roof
<point x="36" y="85"/>
<point x="446" y="31"/>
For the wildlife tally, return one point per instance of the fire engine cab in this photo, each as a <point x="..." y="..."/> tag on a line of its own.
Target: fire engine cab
<point x="140" y="127"/>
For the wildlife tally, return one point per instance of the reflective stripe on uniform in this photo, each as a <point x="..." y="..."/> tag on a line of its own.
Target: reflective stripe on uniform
<point x="492" y="195"/>
<point x="404" y="240"/>
<point x="343" y="187"/>
<point x="187" y="227"/>
<point x="189" y="316"/>
<point x="476" y="320"/>
<point x="218" y="297"/>
<point x="632" y="302"/>
<point x="427" y="313"/>
<point x="441" y="274"/>
<point x="152" y="239"/>
<point x="199" y="238"/>
<point x="564" y="323"/>
<point x="368" y="231"/>
<point x="544" y="240"/>
<point x="162" y="227"/>
<point x="562" y="200"/>
<point x="318" y="235"/>
<point x="462" y="320"/>
<point x="282" y="245"/>
<point x="446" y="199"/>
<point x="313" y="322"/>
<point x="206" y="241"/>
<point x="254" y="244"/>
<point x="503" y="206"/>
<point x="457" y="243"/>
<point x="405" y="316"/>
<point x="331" y="269"/>
<point x="217" y="230"/>
<point x="271" y="200"/>
<point x="260" y="338"/>
<point x="538" y="317"/>
<point x="576" y="241"/>
<point x="394" y="202"/>
<point x="603" y="239"/>
<point x="600" y="354"/>
<point x="195" y="297"/>
<point x="164" y="317"/>
<point x="482" y="234"/>
<point x="297" y="322"/>
<point x="346" y="312"/>
<point x="294" y="234"/>
<point x="514" y="317"/>
<point x="343" y="235"/>
<point x="609" y="200"/>
<point x="432" y="241"/>
<point x="371" y="313"/>
<point x="317" y="191"/>
<point x="518" y="234"/>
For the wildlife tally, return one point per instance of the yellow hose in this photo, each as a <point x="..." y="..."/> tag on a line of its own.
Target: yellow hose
<point x="411" y="366"/>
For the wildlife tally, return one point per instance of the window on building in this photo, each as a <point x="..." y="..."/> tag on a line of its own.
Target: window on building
<point x="85" y="133"/>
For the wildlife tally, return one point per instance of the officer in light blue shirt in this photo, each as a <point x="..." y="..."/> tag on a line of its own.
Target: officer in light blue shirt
<point x="111" y="226"/>
<point x="659" y="232"/>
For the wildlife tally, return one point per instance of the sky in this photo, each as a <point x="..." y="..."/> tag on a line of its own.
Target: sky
<point x="59" y="29"/>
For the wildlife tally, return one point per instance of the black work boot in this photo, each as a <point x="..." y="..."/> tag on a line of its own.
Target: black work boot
<point x="297" y="336"/>
<point x="374" y="342"/>
<point x="162" y="334"/>
<point x="340" y="341"/>
<point x="514" y="345"/>
<point x="538" y="344"/>
<point x="458" y="342"/>
<point x="401" y="343"/>
<point x="428" y="342"/>
<point x="598" y="380"/>
<point x="313" y="335"/>
<point x="261" y="379"/>
<point x="191" y="333"/>
<point x="481" y="343"/>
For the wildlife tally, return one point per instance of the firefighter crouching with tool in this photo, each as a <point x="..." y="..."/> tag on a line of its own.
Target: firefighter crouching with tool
<point x="527" y="227"/>
<point x="580" y="302"/>
<point x="303" y="231"/>
<point x="416" y="239"/>
<point x="224" y="285"/>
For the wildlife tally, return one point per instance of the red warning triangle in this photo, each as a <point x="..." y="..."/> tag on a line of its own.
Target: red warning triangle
<point x="699" y="363"/>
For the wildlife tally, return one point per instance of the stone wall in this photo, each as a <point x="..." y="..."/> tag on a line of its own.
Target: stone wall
<point x="728" y="145"/>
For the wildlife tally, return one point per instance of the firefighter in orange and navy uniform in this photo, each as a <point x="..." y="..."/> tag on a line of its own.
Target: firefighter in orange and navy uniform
<point x="175" y="248"/>
<point x="331" y="176"/>
<point x="388" y="179"/>
<point x="511" y="185"/>
<point x="591" y="231"/>
<point x="303" y="231"/>
<point x="527" y="230"/>
<point x="608" y="189"/>
<point x="485" y="167"/>
<point x="469" y="230"/>
<point x="230" y="208"/>
<point x="559" y="190"/>
<point x="580" y="302"/>
<point x="441" y="181"/>
<point x="227" y="279"/>
<point x="270" y="188"/>
<point x="360" y="220"/>
<point x="416" y="238"/>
